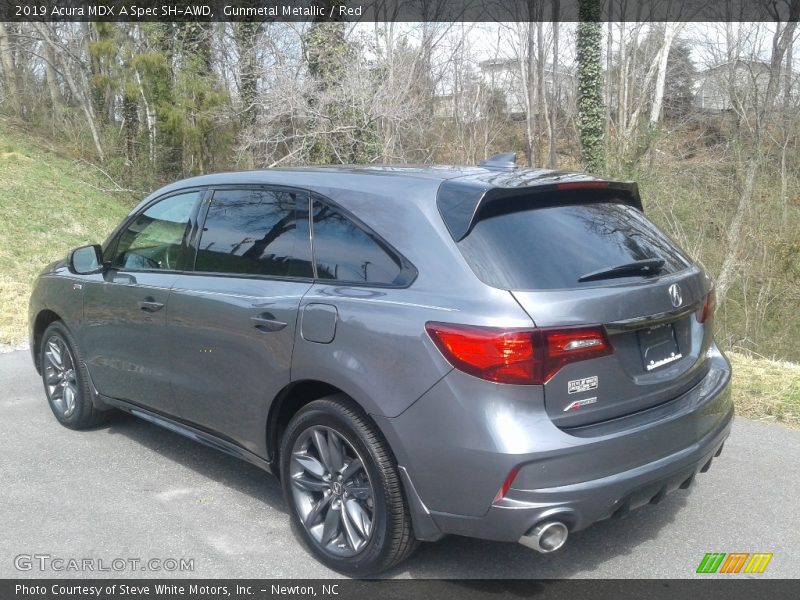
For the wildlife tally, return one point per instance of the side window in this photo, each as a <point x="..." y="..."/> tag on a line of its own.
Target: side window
<point x="156" y="238"/>
<point x="257" y="232"/>
<point x="345" y="252"/>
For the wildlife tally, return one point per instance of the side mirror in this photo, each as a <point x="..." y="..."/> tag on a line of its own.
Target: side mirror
<point x="86" y="260"/>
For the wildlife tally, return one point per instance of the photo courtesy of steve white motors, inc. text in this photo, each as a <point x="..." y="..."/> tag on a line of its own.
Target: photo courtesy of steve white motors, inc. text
<point x="171" y="590"/>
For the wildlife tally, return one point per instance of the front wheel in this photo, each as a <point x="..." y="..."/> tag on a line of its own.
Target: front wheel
<point x="343" y="489"/>
<point x="66" y="381"/>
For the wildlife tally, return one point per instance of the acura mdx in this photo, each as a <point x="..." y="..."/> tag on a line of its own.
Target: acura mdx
<point x="502" y="353"/>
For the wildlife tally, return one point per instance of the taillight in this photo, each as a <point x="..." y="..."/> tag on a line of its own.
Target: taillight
<point x="706" y="312"/>
<point x="502" y="355"/>
<point x="565" y="346"/>
<point x="520" y="356"/>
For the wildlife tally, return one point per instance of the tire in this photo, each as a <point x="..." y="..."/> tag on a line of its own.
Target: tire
<point x="371" y="530"/>
<point x="67" y="387"/>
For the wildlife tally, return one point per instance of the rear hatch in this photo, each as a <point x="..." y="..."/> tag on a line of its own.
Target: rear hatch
<point x="571" y="260"/>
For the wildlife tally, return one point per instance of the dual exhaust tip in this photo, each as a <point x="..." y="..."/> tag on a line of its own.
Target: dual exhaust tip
<point x="546" y="537"/>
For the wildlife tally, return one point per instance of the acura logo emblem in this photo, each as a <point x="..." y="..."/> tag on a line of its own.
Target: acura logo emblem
<point x="675" y="295"/>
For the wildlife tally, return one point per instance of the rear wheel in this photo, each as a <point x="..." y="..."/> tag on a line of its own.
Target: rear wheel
<point x="66" y="381"/>
<point x="343" y="489"/>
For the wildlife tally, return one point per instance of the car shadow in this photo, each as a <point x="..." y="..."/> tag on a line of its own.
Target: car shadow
<point x="453" y="557"/>
<point x="208" y="462"/>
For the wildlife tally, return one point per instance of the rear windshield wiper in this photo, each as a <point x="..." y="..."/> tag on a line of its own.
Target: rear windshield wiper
<point x="646" y="267"/>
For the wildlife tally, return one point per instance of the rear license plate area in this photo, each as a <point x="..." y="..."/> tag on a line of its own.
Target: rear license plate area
<point x="658" y="346"/>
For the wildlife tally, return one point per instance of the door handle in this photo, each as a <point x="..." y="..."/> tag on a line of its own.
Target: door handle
<point x="150" y="305"/>
<point x="267" y="325"/>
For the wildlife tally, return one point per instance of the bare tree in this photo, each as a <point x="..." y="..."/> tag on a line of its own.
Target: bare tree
<point x="79" y="91"/>
<point x="556" y="90"/>
<point x="781" y="41"/>
<point x="671" y="29"/>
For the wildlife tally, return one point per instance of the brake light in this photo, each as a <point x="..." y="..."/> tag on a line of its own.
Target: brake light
<point x="582" y="185"/>
<point x="518" y="356"/>
<point x="706" y="312"/>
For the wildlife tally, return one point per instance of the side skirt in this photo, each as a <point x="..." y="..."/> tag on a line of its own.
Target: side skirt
<point x="204" y="437"/>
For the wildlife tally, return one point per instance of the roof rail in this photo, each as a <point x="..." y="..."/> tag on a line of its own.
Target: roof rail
<point x="503" y="160"/>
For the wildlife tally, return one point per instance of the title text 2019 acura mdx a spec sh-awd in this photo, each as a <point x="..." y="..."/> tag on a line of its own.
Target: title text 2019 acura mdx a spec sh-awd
<point x="493" y="352"/>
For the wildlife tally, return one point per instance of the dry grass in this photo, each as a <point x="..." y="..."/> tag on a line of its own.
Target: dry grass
<point x="766" y="390"/>
<point x="48" y="204"/>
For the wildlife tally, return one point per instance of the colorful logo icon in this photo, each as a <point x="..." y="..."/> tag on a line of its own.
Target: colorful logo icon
<point x="735" y="562"/>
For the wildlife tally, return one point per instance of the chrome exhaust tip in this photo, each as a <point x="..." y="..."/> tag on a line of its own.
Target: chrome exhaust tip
<point x="546" y="537"/>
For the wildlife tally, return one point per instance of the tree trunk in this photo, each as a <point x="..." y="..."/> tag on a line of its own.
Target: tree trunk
<point x="528" y="82"/>
<point x="622" y="79"/>
<point x="246" y="35"/>
<point x="726" y="273"/>
<point x="609" y="64"/>
<point x="52" y="80"/>
<point x="629" y="136"/>
<point x="789" y="72"/>
<point x="590" y="84"/>
<point x="670" y="31"/>
<point x="526" y="74"/>
<point x="150" y="117"/>
<point x="80" y="95"/>
<point x="8" y="70"/>
<point x="542" y="115"/>
<point x="781" y="41"/>
<point x="555" y="96"/>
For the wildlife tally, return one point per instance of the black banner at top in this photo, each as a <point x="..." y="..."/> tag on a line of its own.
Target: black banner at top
<point x="395" y="10"/>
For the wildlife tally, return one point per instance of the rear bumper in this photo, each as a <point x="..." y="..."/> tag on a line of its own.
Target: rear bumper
<point x="581" y="504"/>
<point x="456" y="448"/>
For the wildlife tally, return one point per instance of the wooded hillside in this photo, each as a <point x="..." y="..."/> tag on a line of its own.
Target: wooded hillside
<point x="704" y="116"/>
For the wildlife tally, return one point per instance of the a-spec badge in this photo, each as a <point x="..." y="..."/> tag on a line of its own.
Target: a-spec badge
<point x="586" y="384"/>
<point x="578" y="403"/>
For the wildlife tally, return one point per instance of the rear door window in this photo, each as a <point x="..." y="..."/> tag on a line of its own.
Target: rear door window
<point x="552" y="247"/>
<point x="256" y="232"/>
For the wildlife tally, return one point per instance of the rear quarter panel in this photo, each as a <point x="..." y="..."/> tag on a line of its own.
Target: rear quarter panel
<point x="381" y="354"/>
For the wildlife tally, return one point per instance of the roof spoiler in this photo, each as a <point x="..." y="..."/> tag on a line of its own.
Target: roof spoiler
<point x="461" y="204"/>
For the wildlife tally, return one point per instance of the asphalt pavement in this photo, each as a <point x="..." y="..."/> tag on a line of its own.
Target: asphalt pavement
<point x="131" y="490"/>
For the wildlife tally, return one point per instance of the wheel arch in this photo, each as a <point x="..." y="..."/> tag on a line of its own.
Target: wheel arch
<point x="43" y="319"/>
<point x="298" y="394"/>
<point x="289" y="400"/>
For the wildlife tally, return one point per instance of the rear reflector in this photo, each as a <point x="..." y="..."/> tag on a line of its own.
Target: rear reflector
<point x="501" y="493"/>
<point x="706" y="312"/>
<point x="518" y="356"/>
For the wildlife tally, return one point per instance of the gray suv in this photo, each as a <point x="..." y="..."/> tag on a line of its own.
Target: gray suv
<point x="493" y="352"/>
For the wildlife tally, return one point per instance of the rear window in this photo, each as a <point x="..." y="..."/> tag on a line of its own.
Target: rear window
<point x="552" y="247"/>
